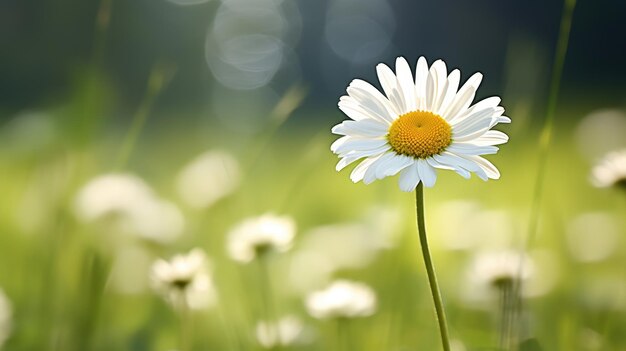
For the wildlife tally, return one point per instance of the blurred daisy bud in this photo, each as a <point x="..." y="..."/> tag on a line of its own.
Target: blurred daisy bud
<point x="185" y="279"/>
<point x="208" y="178"/>
<point x="284" y="332"/>
<point x="610" y="171"/>
<point x="5" y="318"/>
<point x="257" y="236"/>
<point x="132" y="205"/>
<point x="500" y="268"/>
<point x="342" y="299"/>
<point x="111" y="194"/>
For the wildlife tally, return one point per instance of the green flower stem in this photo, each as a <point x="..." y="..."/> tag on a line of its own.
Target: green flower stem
<point x="343" y="340"/>
<point x="185" y="327"/>
<point x="430" y="269"/>
<point x="267" y="295"/>
<point x="506" y="289"/>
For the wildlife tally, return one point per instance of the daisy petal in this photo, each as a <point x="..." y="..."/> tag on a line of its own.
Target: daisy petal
<point x="488" y="167"/>
<point x="373" y="106"/>
<point x="409" y="178"/>
<point x="449" y="92"/>
<point x="460" y="171"/>
<point x="359" y="171"/>
<point x="435" y="85"/>
<point x="364" y="128"/>
<point x="351" y="107"/>
<point x="393" y="166"/>
<point x="471" y="149"/>
<point x="365" y="153"/>
<point x="344" y="162"/>
<point x="390" y="85"/>
<point x="461" y="101"/>
<point x="357" y="144"/>
<point x="421" y="75"/>
<point x="464" y="96"/>
<point x="370" y="174"/>
<point x="426" y="173"/>
<point x="375" y="94"/>
<point x="405" y="81"/>
<point x="454" y="160"/>
<point x="491" y="137"/>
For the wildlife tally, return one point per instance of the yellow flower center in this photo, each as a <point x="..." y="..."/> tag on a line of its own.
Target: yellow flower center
<point x="419" y="134"/>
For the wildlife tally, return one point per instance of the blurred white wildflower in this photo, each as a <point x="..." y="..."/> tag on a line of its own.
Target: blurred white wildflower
<point x="500" y="267"/>
<point x="601" y="131"/>
<point x="133" y="205"/>
<point x="342" y="299"/>
<point x="208" y="178"/>
<point x="284" y="332"/>
<point x="258" y="235"/>
<point x="6" y="313"/>
<point x="185" y="279"/>
<point x="492" y="270"/>
<point x="610" y="171"/>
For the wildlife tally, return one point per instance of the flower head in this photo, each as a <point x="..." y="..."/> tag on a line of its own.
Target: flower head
<point x="185" y="279"/>
<point x="610" y="171"/>
<point x="255" y="236"/>
<point x="497" y="268"/>
<point x="132" y="204"/>
<point x="342" y="299"/>
<point x="419" y="125"/>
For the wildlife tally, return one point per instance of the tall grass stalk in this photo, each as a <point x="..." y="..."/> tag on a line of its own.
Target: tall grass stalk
<point x="185" y="332"/>
<point x="160" y="76"/>
<point x="544" y="148"/>
<point x="267" y="296"/>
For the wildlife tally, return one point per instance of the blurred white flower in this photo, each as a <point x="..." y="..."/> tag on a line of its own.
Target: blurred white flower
<point x="610" y="171"/>
<point x="185" y="279"/>
<point x="208" y="178"/>
<point x="286" y="331"/>
<point x="342" y="299"/>
<point x="500" y="267"/>
<point x="132" y="203"/>
<point x="6" y="313"/>
<point x="490" y="272"/>
<point x="601" y="131"/>
<point x="257" y="235"/>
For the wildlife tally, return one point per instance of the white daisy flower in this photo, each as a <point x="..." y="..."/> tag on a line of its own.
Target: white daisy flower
<point x="185" y="279"/>
<point x="495" y="268"/>
<point x="342" y="299"/>
<point x="255" y="236"/>
<point x="610" y="171"/>
<point x="133" y="206"/>
<point x="421" y="124"/>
